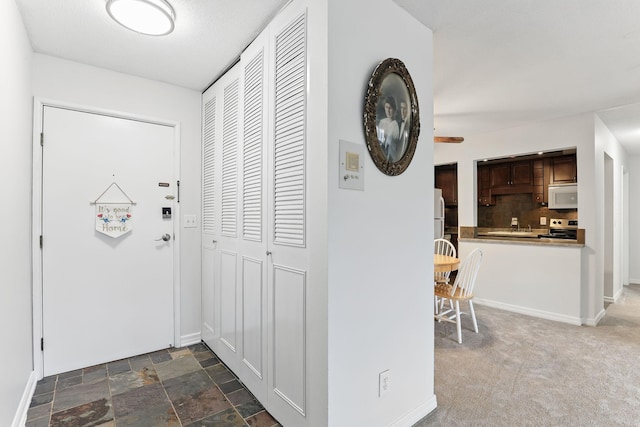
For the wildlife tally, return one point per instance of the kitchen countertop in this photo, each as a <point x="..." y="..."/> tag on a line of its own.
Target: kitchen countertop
<point x="505" y="235"/>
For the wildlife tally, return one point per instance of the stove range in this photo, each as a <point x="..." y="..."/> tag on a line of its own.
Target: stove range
<point x="560" y="228"/>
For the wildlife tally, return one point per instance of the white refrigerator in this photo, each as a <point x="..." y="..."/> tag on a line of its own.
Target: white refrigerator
<point x="438" y="215"/>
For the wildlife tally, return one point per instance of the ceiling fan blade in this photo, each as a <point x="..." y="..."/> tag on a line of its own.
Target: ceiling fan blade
<point x="448" y="139"/>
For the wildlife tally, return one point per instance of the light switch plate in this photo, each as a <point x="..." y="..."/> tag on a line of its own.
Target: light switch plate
<point x="190" y="221"/>
<point x="543" y="220"/>
<point x="351" y="166"/>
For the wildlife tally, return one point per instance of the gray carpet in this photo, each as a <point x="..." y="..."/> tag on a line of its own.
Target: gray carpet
<point x="524" y="371"/>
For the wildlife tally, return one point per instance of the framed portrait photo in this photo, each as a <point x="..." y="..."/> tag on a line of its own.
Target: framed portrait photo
<point x="391" y="117"/>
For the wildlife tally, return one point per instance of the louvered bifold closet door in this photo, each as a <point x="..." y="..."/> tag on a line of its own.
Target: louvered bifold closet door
<point x="289" y="264"/>
<point x="210" y="228"/>
<point x="229" y="220"/>
<point x="253" y="245"/>
<point x="220" y="215"/>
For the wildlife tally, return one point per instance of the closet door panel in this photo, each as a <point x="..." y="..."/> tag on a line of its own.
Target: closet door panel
<point x="289" y="135"/>
<point x="287" y="222"/>
<point x="210" y="216"/>
<point x="253" y="326"/>
<point x="253" y="241"/>
<point x="228" y="295"/>
<point x="221" y="133"/>
<point x="208" y="298"/>
<point x="289" y="329"/>
<point x="230" y="123"/>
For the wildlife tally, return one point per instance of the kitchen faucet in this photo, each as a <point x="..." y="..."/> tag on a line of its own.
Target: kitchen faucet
<point x="515" y="226"/>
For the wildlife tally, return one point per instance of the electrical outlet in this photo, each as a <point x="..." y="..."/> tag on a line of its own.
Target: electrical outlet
<point x="190" y="221"/>
<point x="514" y="221"/>
<point x="543" y="220"/>
<point x="384" y="379"/>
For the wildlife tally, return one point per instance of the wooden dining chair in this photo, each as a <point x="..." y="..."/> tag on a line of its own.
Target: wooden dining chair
<point x="442" y="247"/>
<point x="460" y="290"/>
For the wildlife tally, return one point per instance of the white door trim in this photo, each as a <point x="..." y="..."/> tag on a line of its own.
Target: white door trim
<point x="36" y="214"/>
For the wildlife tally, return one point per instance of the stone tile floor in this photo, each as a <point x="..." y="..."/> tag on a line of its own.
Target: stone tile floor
<point x="185" y="387"/>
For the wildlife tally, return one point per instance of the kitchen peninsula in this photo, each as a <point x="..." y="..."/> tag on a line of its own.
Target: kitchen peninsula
<point x="527" y="237"/>
<point x="526" y="274"/>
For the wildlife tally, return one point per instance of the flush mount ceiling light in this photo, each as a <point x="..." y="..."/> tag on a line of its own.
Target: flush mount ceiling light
<point x="151" y="17"/>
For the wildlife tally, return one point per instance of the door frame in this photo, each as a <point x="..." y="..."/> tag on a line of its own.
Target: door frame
<point x="36" y="213"/>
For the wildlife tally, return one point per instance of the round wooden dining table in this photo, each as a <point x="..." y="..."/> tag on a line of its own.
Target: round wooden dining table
<point x="444" y="263"/>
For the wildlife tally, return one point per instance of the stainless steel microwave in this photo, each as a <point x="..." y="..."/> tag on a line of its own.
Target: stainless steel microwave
<point x="563" y="196"/>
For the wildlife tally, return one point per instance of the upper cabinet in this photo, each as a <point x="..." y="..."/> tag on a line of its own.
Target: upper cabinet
<point x="511" y="177"/>
<point x="563" y="170"/>
<point x="446" y="178"/>
<point x="539" y="188"/>
<point x="530" y="174"/>
<point x="484" y="186"/>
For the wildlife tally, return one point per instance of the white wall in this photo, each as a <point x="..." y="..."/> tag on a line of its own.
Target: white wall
<point x="576" y="131"/>
<point x="15" y="214"/>
<point x="606" y="143"/>
<point x="543" y="281"/>
<point x="75" y="83"/>
<point x="634" y="225"/>
<point x="380" y="252"/>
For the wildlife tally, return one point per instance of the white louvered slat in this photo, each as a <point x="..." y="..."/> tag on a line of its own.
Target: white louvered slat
<point x="229" y="217"/>
<point x="252" y="155"/>
<point x="289" y="134"/>
<point x="208" y="166"/>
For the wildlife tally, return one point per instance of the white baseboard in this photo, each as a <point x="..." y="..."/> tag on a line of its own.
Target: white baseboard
<point x="595" y="320"/>
<point x="190" y="339"/>
<point x="618" y="294"/>
<point x="20" y="417"/>
<point x="572" y="320"/>
<point x="615" y="298"/>
<point x="416" y="414"/>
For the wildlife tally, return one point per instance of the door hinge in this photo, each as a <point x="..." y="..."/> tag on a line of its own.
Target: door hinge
<point x="41" y="241"/>
<point x="41" y="344"/>
<point x="178" y="185"/>
<point x="42" y="139"/>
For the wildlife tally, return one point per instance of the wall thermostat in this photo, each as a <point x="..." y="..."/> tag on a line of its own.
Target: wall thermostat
<point x="351" y="166"/>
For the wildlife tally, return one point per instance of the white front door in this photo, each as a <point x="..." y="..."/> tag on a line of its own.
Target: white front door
<point x="105" y="298"/>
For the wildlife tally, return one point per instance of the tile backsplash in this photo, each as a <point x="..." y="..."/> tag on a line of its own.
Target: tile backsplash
<point x="522" y="207"/>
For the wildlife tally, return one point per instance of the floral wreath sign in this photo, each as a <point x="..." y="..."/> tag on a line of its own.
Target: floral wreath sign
<point x="114" y="218"/>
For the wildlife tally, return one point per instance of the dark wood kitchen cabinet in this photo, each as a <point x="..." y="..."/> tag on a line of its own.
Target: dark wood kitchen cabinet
<point x="539" y="188"/>
<point x="446" y="178"/>
<point x="512" y="177"/>
<point x="484" y="186"/>
<point x="564" y="169"/>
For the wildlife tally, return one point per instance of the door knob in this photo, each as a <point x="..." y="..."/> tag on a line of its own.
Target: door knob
<point x="165" y="237"/>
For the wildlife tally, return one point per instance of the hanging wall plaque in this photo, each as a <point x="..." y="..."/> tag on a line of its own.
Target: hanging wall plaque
<point x="114" y="218"/>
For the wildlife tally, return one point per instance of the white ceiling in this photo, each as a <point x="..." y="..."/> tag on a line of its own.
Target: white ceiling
<point x="498" y="63"/>
<point x="208" y="37"/>
<point x="503" y="63"/>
